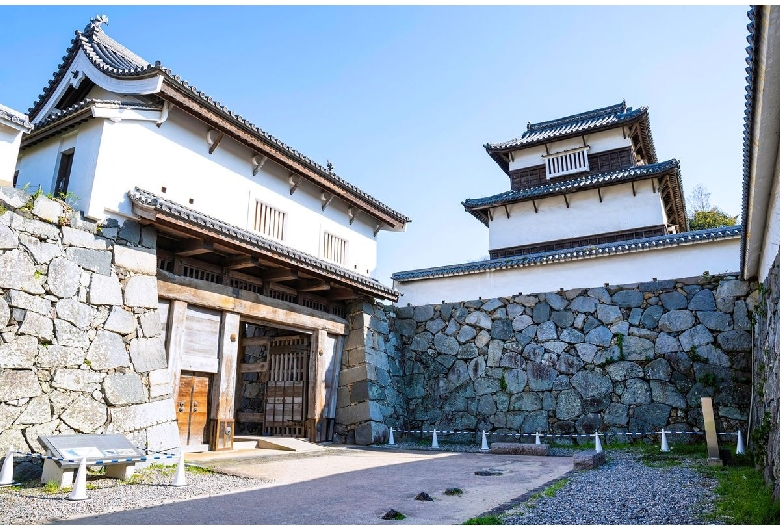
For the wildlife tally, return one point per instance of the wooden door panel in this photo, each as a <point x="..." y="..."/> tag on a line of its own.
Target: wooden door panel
<point x="192" y="409"/>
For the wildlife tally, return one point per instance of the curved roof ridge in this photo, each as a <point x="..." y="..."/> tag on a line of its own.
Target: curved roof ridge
<point x="611" y="109"/>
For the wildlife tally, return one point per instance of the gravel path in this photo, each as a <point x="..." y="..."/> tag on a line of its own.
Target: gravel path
<point x="623" y="491"/>
<point x="150" y="487"/>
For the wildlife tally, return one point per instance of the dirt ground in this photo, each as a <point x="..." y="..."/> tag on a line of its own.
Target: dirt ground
<point x="357" y="486"/>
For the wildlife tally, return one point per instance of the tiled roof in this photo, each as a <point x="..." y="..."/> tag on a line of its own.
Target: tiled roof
<point x="559" y="256"/>
<point x="15" y="117"/>
<point x="569" y="186"/>
<point x="296" y="258"/>
<point x="117" y="61"/>
<point x="576" y="125"/>
<point x="753" y="39"/>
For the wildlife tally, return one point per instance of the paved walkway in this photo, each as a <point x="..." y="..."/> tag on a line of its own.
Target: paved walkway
<point x="357" y="486"/>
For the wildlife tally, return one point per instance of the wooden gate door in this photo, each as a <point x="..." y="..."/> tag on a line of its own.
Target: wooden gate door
<point x="192" y="409"/>
<point x="286" y="389"/>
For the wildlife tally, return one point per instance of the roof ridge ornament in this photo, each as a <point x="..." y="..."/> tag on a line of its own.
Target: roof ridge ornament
<point x="96" y="22"/>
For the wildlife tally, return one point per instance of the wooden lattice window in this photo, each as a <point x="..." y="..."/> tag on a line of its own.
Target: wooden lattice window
<point x="334" y="248"/>
<point x="269" y="221"/>
<point x="63" y="173"/>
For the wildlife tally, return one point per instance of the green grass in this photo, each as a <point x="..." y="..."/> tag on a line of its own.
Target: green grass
<point x="198" y="470"/>
<point x="52" y="487"/>
<point x="743" y="498"/>
<point x="453" y="491"/>
<point x="550" y="491"/>
<point x="488" y="519"/>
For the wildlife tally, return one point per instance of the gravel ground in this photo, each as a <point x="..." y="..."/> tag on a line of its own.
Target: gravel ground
<point x="30" y="504"/>
<point x="623" y="491"/>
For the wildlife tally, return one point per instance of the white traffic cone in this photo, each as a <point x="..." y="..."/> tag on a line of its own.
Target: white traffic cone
<point x="664" y="444"/>
<point x="79" y="492"/>
<point x="391" y="441"/>
<point x="180" y="479"/>
<point x="484" y="443"/>
<point x="435" y="442"/>
<point x="7" y="473"/>
<point x="740" y="446"/>
<point x="598" y="442"/>
<point x="538" y="441"/>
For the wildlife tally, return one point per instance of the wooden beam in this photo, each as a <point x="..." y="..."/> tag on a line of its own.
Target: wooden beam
<point x="294" y="183"/>
<point x="215" y="142"/>
<point x="313" y="285"/>
<point x="279" y="275"/>
<point x="177" y="314"/>
<point x="252" y="368"/>
<point x="193" y="247"/>
<point x="256" y="341"/>
<point x="326" y="200"/>
<point x="353" y="212"/>
<point x="258" y="307"/>
<point x="258" y="162"/>
<point x="241" y="262"/>
<point x="250" y="417"/>
<point x="341" y="293"/>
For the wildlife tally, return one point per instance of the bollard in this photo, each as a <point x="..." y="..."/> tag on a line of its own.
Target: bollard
<point x="79" y="492"/>
<point x="664" y="445"/>
<point x="598" y="442"/>
<point x="7" y="473"/>
<point x="538" y="442"/>
<point x="435" y="442"/>
<point x="484" y="447"/>
<point x="391" y="441"/>
<point x="180" y="479"/>
<point x="740" y="445"/>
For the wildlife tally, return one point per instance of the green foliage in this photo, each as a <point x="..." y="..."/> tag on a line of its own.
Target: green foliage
<point x="619" y="341"/>
<point x="502" y="383"/>
<point x="696" y="357"/>
<point x="550" y="491"/>
<point x="488" y="519"/>
<point x="760" y="438"/>
<point x="199" y="470"/>
<point x="51" y="487"/>
<point x="453" y="491"/>
<point x="712" y="218"/>
<point x="743" y="497"/>
<point x="708" y="380"/>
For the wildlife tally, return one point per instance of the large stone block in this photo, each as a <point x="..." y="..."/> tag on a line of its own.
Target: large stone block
<point x="42" y="252"/>
<point x="623" y="370"/>
<point x="85" y="414"/>
<point x="148" y="354"/>
<point x="120" y="321"/>
<point x="674" y="300"/>
<point x="162" y="437"/>
<point x="123" y="389"/>
<point x="588" y="459"/>
<point x="81" y="315"/>
<point x="136" y="259"/>
<point x="8" y="238"/>
<point x="677" y="320"/>
<point x="18" y="272"/>
<point x="34" y="227"/>
<point x="592" y="384"/>
<point x="18" y="384"/>
<point x="47" y="209"/>
<point x="732" y="289"/>
<point x="540" y="376"/>
<point x="77" y="380"/>
<point x="108" y="351"/>
<point x="637" y="348"/>
<point x="141" y="291"/>
<point x="423" y="313"/>
<point x="37" y="326"/>
<point x="703" y="300"/>
<point x="628" y="298"/>
<point x="56" y="356"/>
<point x="509" y="448"/>
<point x="79" y="238"/>
<point x="19" y="353"/>
<point x="358" y="413"/>
<point x="69" y="335"/>
<point x="695" y="337"/>
<point x="98" y="261"/>
<point x="105" y="290"/>
<point x="135" y="417"/>
<point x="23" y="300"/>
<point x="735" y="341"/>
<point x="637" y="392"/>
<point x="37" y="411"/>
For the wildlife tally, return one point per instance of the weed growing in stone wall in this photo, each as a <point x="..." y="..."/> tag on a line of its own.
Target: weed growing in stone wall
<point x="759" y="438"/>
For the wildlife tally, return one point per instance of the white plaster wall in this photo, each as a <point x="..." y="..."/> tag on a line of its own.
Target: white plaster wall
<point x="619" y="210"/>
<point x="10" y="139"/>
<point x="675" y="262"/>
<point x="38" y="164"/>
<point x="175" y="156"/>
<point x="598" y="142"/>
<point x="770" y="242"/>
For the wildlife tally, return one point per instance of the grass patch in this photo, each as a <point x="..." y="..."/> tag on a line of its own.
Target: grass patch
<point x="453" y="491"/>
<point x="487" y="519"/>
<point x="550" y="491"/>
<point x="743" y="498"/>
<point x="198" y="470"/>
<point x="52" y="487"/>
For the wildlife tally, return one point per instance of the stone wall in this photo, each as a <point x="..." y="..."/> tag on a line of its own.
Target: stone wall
<point x="615" y="358"/>
<point x="81" y="348"/>
<point x="764" y="437"/>
<point x="370" y="394"/>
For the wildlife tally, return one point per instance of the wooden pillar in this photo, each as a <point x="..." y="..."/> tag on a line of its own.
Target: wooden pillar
<point x="177" y="315"/>
<point x="224" y="383"/>
<point x="316" y="399"/>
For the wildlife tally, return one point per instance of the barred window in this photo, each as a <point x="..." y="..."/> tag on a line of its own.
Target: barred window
<point x="269" y="221"/>
<point x="334" y="248"/>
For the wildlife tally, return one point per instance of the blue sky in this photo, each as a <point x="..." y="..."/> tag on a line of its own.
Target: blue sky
<point x="402" y="98"/>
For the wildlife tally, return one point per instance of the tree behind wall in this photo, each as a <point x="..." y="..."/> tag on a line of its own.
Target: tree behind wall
<point x="705" y="215"/>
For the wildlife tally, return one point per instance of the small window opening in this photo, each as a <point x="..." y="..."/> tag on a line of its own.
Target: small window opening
<point x="63" y="173"/>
